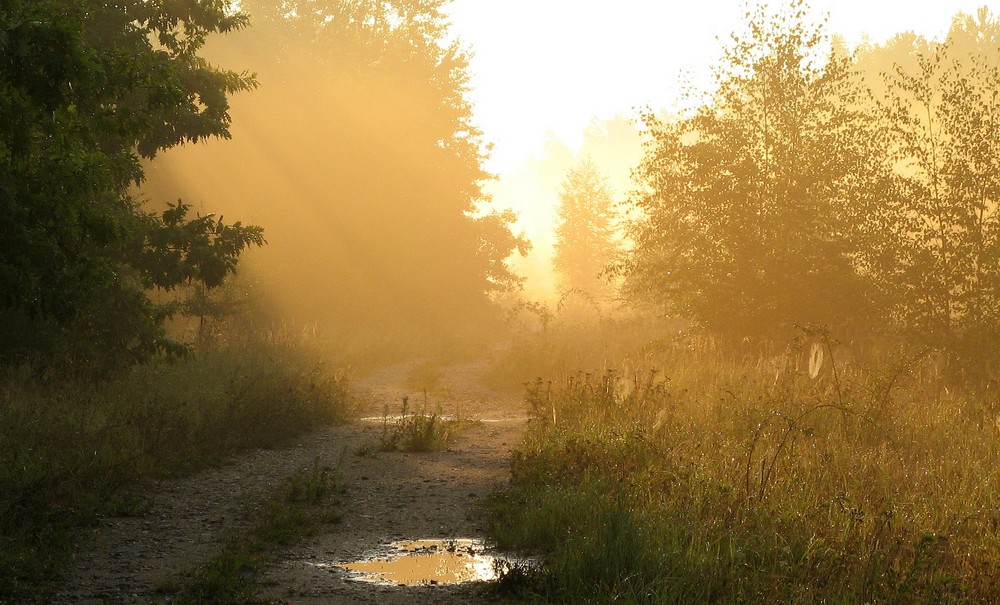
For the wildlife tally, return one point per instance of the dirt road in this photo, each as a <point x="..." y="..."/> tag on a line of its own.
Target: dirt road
<point x="390" y="496"/>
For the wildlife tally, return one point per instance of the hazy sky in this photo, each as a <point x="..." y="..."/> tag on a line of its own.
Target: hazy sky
<point x="553" y="65"/>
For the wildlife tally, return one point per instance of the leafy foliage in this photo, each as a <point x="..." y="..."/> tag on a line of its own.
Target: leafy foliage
<point x="745" y="223"/>
<point x="365" y="133"/>
<point x="816" y="190"/>
<point x="87" y="89"/>
<point x="944" y="230"/>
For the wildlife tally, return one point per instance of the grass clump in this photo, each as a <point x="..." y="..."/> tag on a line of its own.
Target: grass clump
<point x="70" y="448"/>
<point x="730" y="481"/>
<point x="307" y="500"/>
<point x="416" y="430"/>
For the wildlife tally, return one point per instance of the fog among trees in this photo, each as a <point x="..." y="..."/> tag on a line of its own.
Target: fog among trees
<point x="360" y="156"/>
<point x="804" y="195"/>
<point x="756" y="333"/>
<point x="816" y="185"/>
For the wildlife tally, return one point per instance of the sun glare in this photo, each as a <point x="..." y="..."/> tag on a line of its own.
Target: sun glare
<point x="538" y="82"/>
<point x="644" y="301"/>
<point x="571" y="62"/>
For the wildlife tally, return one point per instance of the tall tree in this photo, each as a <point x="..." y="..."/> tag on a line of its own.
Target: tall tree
<point x="87" y="88"/>
<point x="942" y="112"/>
<point x="745" y="225"/>
<point x="363" y="130"/>
<point x="584" y="235"/>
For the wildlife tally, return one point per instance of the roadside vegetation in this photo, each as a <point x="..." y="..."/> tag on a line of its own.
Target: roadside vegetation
<point x="740" y="479"/>
<point x="74" y="449"/>
<point x="725" y="448"/>
<point x="418" y="429"/>
<point x="711" y="444"/>
<point x="105" y="249"/>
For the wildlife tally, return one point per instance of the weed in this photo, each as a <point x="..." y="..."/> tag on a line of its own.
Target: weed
<point x="71" y="449"/>
<point x="416" y="430"/>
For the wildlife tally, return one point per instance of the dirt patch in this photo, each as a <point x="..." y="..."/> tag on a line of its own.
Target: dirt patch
<point x="392" y="496"/>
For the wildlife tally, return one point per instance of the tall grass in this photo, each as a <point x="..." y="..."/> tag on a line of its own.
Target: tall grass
<point x="418" y="429"/>
<point x="69" y="447"/>
<point x="721" y="480"/>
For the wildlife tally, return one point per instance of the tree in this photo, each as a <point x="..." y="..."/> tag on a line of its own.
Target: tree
<point x="745" y="224"/>
<point x="584" y="246"/>
<point x="941" y="113"/>
<point x="87" y="88"/>
<point x="363" y="132"/>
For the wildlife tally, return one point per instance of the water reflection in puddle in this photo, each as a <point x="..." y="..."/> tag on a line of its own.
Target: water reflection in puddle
<point x="422" y="562"/>
<point x="401" y="417"/>
<point x="396" y="418"/>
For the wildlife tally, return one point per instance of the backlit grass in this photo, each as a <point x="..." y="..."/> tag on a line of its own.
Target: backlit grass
<point x="417" y="429"/>
<point x="711" y="480"/>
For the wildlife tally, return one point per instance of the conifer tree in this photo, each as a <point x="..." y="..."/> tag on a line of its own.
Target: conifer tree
<point x="584" y="235"/>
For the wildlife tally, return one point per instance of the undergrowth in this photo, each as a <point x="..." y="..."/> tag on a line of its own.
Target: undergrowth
<point x="70" y="449"/>
<point x="722" y="480"/>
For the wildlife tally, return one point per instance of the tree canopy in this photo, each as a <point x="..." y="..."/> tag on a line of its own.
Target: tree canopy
<point x="744" y="223"/>
<point x="87" y="89"/>
<point x="364" y="164"/>
<point x="855" y="192"/>
<point x="940" y="121"/>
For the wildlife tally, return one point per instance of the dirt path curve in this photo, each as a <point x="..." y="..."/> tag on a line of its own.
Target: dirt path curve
<point x="390" y="496"/>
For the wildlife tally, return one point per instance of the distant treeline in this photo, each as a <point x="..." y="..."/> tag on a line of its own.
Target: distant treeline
<point x="852" y="190"/>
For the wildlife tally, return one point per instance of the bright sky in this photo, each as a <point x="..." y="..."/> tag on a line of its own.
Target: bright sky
<point x="553" y="65"/>
<point x="544" y="68"/>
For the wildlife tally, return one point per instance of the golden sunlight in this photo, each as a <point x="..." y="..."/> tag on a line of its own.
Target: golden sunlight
<point x="483" y="301"/>
<point x="543" y="72"/>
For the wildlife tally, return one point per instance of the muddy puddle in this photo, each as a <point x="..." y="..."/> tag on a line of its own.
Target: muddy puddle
<point x="391" y="418"/>
<point x="397" y="418"/>
<point x="427" y="562"/>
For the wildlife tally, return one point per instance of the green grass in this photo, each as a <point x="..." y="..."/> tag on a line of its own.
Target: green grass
<point x="741" y="480"/>
<point x="69" y="448"/>
<point x="306" y="502"/>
